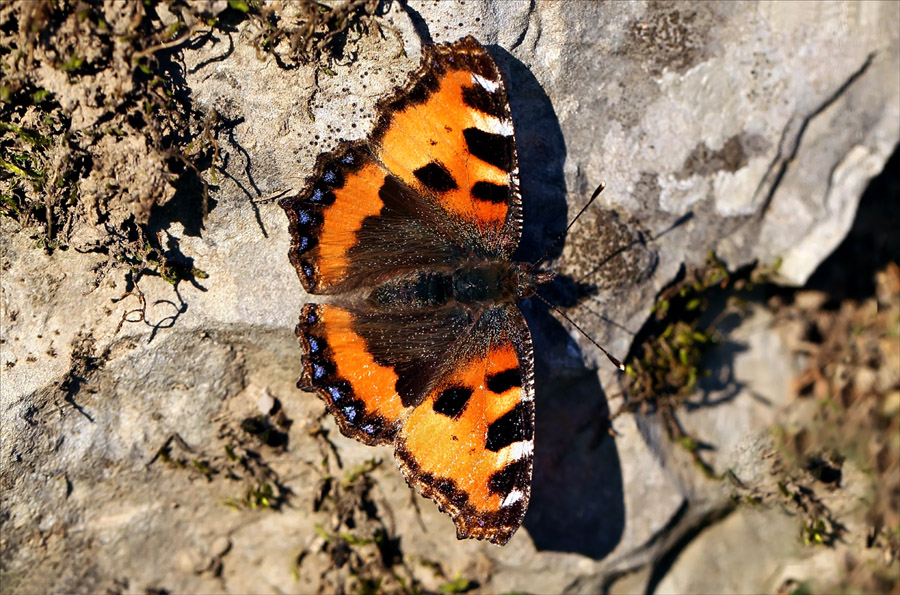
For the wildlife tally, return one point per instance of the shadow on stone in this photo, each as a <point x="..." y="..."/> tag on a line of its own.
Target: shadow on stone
<point x="870" y="244"/>
<point x="577" y="503"/>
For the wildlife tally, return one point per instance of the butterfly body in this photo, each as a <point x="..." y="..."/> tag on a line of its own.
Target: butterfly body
<point x="475" y="286"/>
<point x="417" y="342"/>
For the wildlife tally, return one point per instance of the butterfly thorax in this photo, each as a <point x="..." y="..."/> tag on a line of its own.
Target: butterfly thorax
<point x="481" y="283"/>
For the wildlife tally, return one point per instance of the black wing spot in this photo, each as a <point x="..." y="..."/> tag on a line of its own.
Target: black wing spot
<point x="490" y="192"/>
<point x="501" y="382"/>
<point x="515" y="475"/>
<point x="514" y="426"/>
<point x="495" y="149"/>
<point x="479" y="98"/>
<point x="435" y="177"/>
<point x="452" y="401"/>
<point x="420" y="92"/>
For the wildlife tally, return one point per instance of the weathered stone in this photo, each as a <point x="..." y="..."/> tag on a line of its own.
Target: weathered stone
<point x="764" y="121"/>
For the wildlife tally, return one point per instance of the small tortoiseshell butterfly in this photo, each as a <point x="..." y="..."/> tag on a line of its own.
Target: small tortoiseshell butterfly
<point x="410" y="233"/>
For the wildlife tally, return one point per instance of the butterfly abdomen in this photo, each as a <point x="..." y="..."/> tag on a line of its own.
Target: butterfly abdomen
<point x="419" y="290"/>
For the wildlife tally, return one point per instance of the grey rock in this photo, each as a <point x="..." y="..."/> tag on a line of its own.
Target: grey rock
<point x="763" y="121"/>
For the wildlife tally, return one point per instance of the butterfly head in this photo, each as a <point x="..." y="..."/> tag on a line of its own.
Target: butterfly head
<point x="528" y="279"/>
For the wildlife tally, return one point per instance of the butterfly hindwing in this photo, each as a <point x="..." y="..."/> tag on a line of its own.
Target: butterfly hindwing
<point x="371" y="367"/>
<point x="468" y="445"/>
<point x="466" y="441"/>
<point x="358" y="391"/>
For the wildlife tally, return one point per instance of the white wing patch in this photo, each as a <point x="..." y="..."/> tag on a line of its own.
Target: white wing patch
<point x="487" y="85"/>
<point x="491" y="124"/>
<point x="520" y="450"/>
<point x="513" y="497"/>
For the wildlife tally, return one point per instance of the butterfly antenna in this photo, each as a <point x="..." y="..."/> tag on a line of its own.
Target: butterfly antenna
<point x="639" y="240"/>
<point x="614" y="361"/>
<point x="568" y="227"/>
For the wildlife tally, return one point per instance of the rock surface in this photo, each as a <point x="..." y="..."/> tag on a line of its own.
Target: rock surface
<point x="764" y="122"/>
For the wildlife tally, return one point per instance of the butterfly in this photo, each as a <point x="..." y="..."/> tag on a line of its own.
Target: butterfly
<point x="408" y="236"/>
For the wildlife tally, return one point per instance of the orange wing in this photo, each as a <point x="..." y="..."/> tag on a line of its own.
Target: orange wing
<point x="436" y="182"/>
<point x="449" y="136"/>
<point x="372" y="367"/>
<point x="359" y="391"/>
<point x="468" y="445"/>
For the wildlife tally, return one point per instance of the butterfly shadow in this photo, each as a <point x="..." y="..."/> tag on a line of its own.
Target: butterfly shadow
<point x="577" y="502"/>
